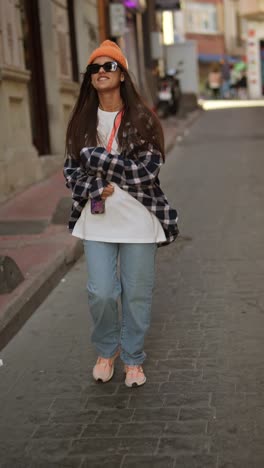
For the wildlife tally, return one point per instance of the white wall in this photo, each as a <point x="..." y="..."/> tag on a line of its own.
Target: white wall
<point x="187" y="53"/>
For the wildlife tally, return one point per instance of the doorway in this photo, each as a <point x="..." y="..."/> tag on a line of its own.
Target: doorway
<point x="36" y="86"/>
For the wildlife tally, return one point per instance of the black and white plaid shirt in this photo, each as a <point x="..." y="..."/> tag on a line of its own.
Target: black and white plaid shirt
<point x="137" y="175"/>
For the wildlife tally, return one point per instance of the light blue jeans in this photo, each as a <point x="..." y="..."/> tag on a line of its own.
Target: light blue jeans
<point x="135" y="285"/>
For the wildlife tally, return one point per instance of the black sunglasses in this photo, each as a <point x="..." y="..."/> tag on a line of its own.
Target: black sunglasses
<point x="107" y="66"/>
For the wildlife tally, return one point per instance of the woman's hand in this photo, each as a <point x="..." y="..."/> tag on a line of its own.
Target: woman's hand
<point x="108" y="191"/>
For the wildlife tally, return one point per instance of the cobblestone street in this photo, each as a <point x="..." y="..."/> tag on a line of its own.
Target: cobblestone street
<point x="203" y="403"/>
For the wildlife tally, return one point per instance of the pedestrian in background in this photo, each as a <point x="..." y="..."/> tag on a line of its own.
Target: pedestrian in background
<point x="214" y="82"/>
<point x="242" y="86"/>
<point x="115" y="148"/>
<point x="234" y="78"/>
<point x="225" y="72"/>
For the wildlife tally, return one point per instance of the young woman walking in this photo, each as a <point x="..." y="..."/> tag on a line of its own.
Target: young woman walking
<point x="115" y="149"/>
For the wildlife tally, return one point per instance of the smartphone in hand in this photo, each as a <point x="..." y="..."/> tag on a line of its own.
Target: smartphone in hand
<point x="97" y="206"/>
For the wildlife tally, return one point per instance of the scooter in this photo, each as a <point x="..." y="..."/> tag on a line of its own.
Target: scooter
<point x="169" y="94"/>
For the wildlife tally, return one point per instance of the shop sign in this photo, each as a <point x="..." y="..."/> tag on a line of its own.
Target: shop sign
<point x="117" y="17"/>
<point x="254" y="65"/>
<point x="168" y="5"/>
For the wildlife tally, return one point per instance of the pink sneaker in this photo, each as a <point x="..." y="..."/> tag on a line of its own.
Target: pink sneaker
<point x="134" y="376"/>
<point x="104" y="368"/>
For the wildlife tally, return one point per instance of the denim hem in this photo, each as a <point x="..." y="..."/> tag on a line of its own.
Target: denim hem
<point x="106" y="355"/>
<point x="130" y="362"/>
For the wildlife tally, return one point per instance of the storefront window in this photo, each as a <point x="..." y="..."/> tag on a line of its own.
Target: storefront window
<point x="201" y="18"/>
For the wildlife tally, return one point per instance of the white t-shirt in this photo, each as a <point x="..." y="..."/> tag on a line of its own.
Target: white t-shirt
<point x="125" y="218"/>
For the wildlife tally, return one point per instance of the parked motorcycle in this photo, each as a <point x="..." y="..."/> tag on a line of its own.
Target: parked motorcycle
<point x="169" y="94"/>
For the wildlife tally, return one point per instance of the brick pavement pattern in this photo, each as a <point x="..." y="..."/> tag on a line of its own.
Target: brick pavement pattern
<point x="203" y="403"/>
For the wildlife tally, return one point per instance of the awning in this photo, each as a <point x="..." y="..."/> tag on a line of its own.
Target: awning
<point x="210" y="58"/>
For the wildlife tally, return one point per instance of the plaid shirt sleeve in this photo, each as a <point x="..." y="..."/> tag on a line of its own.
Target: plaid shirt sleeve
<point x="123" y="171"/>
<point x="82" y="184"/>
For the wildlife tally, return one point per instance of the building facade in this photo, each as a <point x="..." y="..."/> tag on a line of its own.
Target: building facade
<point x="201" y="21"/>
<point x="44" y="46"/>
<point x="204" y="22"/>
<point x="253" y="13"/>
<point x="235" y="29"/>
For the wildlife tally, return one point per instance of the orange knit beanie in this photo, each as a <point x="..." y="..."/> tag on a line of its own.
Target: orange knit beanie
<point x="109" y="49"/>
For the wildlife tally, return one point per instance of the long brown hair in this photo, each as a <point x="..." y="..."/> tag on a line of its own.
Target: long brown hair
<point x="82" y="127"/>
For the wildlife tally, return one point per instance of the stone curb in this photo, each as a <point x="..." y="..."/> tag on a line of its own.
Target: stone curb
<point x="33" y="291"/>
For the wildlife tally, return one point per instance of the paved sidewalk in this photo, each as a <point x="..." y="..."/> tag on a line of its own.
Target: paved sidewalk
<point x="43" y="250"/>
<point x="202" y="405"/>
